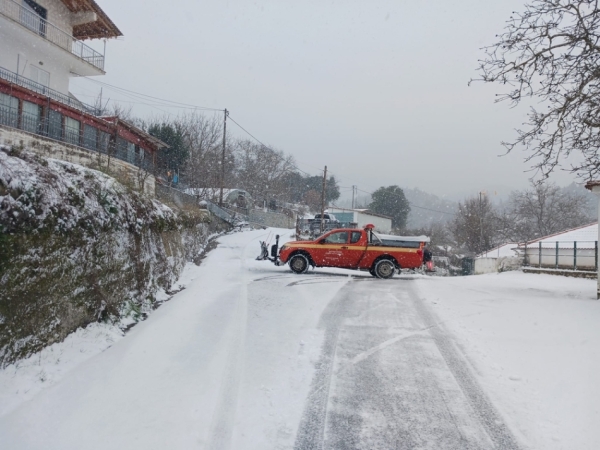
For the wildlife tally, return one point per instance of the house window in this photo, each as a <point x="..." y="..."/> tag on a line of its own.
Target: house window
<point x="131" y="152"/>
<point x="33" y="16"/>
<point x="103" y="141"/>
<point x="55" y="124"/>
<point x="31" y="118"/>
<point x="9" y="110"/>
<point x="39" y="76"/>
<point x="90" y="135"/>
<point x="121" y="150"/>
<point x="72" y="130"/>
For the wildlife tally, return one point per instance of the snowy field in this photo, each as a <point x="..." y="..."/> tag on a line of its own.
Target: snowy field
<point x="251" y="356"/>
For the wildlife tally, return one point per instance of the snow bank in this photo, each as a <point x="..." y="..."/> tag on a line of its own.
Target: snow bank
<point x="534" y="340"/>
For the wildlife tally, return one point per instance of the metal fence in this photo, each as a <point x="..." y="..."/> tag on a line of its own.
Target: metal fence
<point x="229" y="217"/>
<point x="572" y="255"/>
<point x="32" y="20"/>
<point x="75" y="133"/>
<point x="22" y="81"/>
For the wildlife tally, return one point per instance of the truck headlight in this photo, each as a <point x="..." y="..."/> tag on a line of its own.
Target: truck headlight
<point x="283" y="247"/>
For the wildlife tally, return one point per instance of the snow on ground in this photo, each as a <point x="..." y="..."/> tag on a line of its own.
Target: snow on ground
<point x="24" y="379"/>
<point x="231" y="361"/>
<point x="535" y="342"/>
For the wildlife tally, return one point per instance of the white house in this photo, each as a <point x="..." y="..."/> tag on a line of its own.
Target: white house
<point x="43" y="40"/>
<point x="42" y="46"/>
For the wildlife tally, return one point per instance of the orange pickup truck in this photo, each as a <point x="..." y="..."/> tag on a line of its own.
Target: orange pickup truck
<point x="381" y="255"/>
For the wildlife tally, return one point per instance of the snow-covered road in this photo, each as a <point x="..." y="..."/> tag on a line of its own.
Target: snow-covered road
<point x="251" y="356"/>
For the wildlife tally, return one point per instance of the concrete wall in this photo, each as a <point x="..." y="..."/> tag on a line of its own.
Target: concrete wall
<point x="493" y="265"/>
<point x="126" y="173"/>
<point x="270" y="219"/>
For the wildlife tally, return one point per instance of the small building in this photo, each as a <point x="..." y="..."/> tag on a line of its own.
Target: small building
<point x="499" y="259"/>
<point x="573" y="249"/>
<point x="362" y="217"/>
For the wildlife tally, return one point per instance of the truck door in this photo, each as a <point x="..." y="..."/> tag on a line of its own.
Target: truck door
<point x="355" y="248"/>
<point x="332" y="249"/>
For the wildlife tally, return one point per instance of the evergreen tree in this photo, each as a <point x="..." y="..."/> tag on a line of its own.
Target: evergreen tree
<point x="174" y="157"/>
<point x="391" y="201"/>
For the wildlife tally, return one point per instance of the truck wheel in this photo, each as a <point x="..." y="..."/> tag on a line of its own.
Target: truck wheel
<point x="299" y="263"/>
<point x="384" y="268"/>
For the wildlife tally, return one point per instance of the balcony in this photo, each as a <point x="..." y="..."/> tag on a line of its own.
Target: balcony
<point x="36" y="24"/>
<point x="26" y="83"/>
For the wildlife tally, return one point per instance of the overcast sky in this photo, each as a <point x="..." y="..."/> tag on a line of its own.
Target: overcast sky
<point x="375" y="90"/>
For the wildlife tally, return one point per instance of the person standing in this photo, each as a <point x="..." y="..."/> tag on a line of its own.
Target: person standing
<point x="428" y="259"/>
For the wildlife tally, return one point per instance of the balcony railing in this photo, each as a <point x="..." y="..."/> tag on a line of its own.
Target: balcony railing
<point x="82" y="135"/>
<point x="32" y="21"/>
<point x="47" y="92"/>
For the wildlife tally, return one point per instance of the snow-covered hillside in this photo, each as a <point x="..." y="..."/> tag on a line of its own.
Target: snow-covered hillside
<point x="76" y="246"/>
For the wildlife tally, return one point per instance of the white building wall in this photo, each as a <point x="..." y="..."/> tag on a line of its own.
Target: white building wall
<point x="58" y="14"/>
<point x="20" y="48"/>
<point x="382" y="225"/>
<point x="493" y="265"/>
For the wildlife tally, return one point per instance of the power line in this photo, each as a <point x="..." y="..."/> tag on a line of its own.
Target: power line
<point x="123" y="90"/>
<point x="266" y="146"/>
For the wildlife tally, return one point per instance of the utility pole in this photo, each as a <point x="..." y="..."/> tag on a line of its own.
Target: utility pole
<point x="353" y="191"/>
<point x="481" y="249"/>
<point x="323" y="197"/>
<point x="223" y="157"/>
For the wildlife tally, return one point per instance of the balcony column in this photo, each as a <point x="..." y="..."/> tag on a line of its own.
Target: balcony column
<point x="594" y="188"/>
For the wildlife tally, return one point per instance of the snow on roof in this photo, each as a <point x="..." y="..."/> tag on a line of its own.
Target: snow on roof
<point x="502" y="251"/>
<point x="587" y="234"/>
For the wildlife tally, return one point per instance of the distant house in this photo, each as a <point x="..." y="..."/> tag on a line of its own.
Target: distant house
<point x="362" y="217"/>
<point x="41" y="48"/>
<point x="576" y="248"/>
<point x="499" y="259"/>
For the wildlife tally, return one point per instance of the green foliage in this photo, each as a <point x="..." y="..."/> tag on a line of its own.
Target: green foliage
<point x="174" y="157"/>
<point x="391" y="201"/>
<point x="299" y="185"/>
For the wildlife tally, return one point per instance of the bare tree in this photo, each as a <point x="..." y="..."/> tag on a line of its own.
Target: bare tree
<point x="475" y="226"/>
<point x="204" y="138"/>
<point x="551" y="52"/>
<point x="542" y="210"/>
<point x="261" y="170"/>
